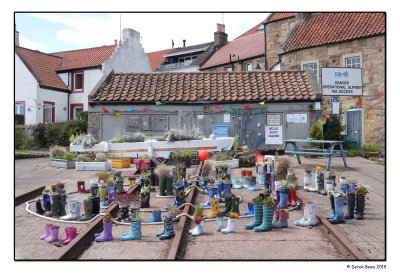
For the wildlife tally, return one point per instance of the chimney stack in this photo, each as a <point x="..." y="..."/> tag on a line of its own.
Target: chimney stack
<point x="301" y="17"/>
<point x="184" y="42"/>
<point x="220" y="37"/>
<point x="130" y="34"/>
<point x="16" y="35"/>
<point x="115" y="41"/>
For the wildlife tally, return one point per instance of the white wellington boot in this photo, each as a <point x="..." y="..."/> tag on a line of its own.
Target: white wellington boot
<point x="231" y="226"/>
<point x="199" y="229"/>
<point x="74" y="210"/>
<point x="311" y="215"/>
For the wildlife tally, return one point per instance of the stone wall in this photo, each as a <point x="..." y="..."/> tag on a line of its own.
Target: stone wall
<point x="94" y="125"/>
<point x="276" y="34"/>
<point x="373" y="69"/>
<point x="238" y="67"/>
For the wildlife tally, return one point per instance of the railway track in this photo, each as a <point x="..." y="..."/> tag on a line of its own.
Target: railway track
<point x="177" y="247"/>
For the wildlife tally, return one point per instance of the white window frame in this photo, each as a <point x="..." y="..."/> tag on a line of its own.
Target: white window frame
<point x="74" y="76"/>
<point x="351" y="55"/>
<point x="20" y="106"/>
<point x="46" y="108"/>
<point x="246" y="66"/>
<point x="228" y="69"/>
<point x="313" y="61"/>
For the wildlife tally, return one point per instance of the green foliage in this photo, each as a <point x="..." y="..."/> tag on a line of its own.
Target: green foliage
<point x="221" y="156"/>
<point x="57" y="152"/>
<point x="236" y="142"/>
<point x="355" y="152"/>
<point x="257" y="200"/>
<point x="83" y="115"/>
<point x="268" y="201"/>
<point x="177" y="135"/>
<point x="39" y="137"/>
<point x="361" y="191"/>
<point x="316" y="134"/>
<point x="361" y="151"/>
<point x="59" y="133"/>
<point x="136" y="137"/>
<point x="184" y="154"/>
<point x="333" y="128"/>
<point x="371" y="148"/>
<point x="21" y="140"/>
<point x="68" y="156"/>
<point x="19" y="119"/>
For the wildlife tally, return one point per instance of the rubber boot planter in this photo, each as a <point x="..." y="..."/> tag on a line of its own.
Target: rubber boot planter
<point x="235" y="206"/>
<point x="219" y="222"/>
<point x="53" y="237"/>
<point x="250" y="207"/>
<point x="39" y="208"/>
<point x="266" y="225"/>
<point x="258" y="216"/>
<point x="88" y="208"/>
<point x="309" y="215"/>
<point x="62" y="203"/>
<point x="55" y="205"/>
<point x="252" y="186"/>
<point x="110" y="193"/>
<point x="162" y="181"/>
<point x="293" y="199"/>
<point x="145" y="196"/>
<point x="283" y="217"/>
<point x="261" y="179"/>
<point x="231" y="226"/>
<point x="283" y="198"/>
<point x="227" y="189"/>
<point x="81" y="187"/>
<point x="96" y="205"/>
<point x="179" y="193"/>
<point x="135" y="233"/>
<point x="169" y="182"/>
<point x="74" y="210"/>
<point x="320" y="183"/>
<point x="203" y="181"/>
<point x="106" y="235"/>
<point x="156" y="216"/>
<point x="330" y="185"/>
<point x="198" y="212"/>
<point x="220" y="189"/>
<point x="70" y="234"/>
<point x="94" y="189"/>
<point x="235" y="184"/>
<point x="308" y="181"/>
<point x="332" y="202"/>
<point x="168" y="232"/>
<point x="339" y="210"/>
<point x="212" y="191"/>
<point x="360" y="201"/>
<point x="46" y="232"/>
<point x="351" y="201"/>
<point x="267" y="182"/>
<point x="46" y="205"/>
<point x="200" y="227"/>
<point x="214" y="209"/>
<point x="119" y="185"/>
<point x="103" y="194"/>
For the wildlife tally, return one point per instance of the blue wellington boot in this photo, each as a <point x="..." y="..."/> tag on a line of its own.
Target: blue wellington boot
<point x="250" y="206"/>
<point x="339" y="211"/>
<point x="220" y="189"/>
<point x="156" y="217"/>
<point x="227" y="189"/>
<point x="332" y="201"/>
<point x="244" y="181"/>
<point x="168" y="231"/>
<point x="283" y="198"/>
<point x="252" y="186"/>
<point x="268" y="213"/>
<point x="211" y="193"/>
<point x="261" y="179"/>
<point x="235" y="184"/>
<point x="258" y="217"/>
<point x="135" y="233"/>
<point x="179" y="192"/>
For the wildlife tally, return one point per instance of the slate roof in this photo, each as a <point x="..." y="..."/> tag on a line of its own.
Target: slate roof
<point x="276" y="16"/>
<point x="43" y="67"/>
<point x="85" y="58"/>
<point x="157" y="58"/>
<point x="329" y="28"/>
<point x="246" y="47"/>
<point x="225" y="87"/>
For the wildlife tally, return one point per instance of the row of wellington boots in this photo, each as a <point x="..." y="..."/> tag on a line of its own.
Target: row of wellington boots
<point x="309" y="215"/>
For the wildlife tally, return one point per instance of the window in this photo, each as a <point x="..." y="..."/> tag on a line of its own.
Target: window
<point x="313" y="66"/>
<point x="74" y="110"/>
<point x="48" y="112"/>
<point x="19" y="108"/>
<point x="248" y="67"/>
<point x="353" y="60"/>
<point x="77" y="82"/>
<point x="228" y="69"/>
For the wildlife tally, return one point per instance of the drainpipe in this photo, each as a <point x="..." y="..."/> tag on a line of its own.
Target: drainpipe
<point x="68" y="99"/>
<point x="265" y="47"/>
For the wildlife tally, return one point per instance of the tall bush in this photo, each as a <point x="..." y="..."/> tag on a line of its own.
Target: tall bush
<point x="333" y="128"/>
<point x="21" y="140"/>
<point x="316" y="134"/>
<point x="59" y="133"/>
<point x="38" y="135"/>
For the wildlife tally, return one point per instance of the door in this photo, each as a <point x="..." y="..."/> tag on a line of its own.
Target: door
<point x="354" y="126"/>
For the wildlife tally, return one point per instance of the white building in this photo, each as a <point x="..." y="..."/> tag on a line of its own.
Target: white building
<point x="55" y="87"/>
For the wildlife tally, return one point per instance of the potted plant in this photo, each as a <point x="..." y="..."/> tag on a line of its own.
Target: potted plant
<point x="361" y="194"/>
<point x="226" y="158"/>
<point x="267" y="215"/>
<point x="59" y="157"/>
<point x="162" y="171"/>
<point x="89" y="161"/>
<point x="145" y="196"/>
<point x="131" y="181"/>
<point x="85" y="140"/>
<point x="338" y="199"/>
<point x="184" y="157"/>
<point x="111" y="190"/>
<point x="118" y="161"/>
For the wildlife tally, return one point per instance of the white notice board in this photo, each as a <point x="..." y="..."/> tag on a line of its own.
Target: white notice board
<point x="341" y="82"/>
<point x="273" y="135"/>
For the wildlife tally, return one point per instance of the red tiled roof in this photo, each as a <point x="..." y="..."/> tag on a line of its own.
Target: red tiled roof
<point x="85" y="58"/>
<point x="228" y="87"/>
<point x="157" y="58"/>
<point x="253" y="30"/>
<point x="246" y="47"/>
<point x="328" y="28"/>
<point x="276" y="16"/>
<point x="43" y="67"/>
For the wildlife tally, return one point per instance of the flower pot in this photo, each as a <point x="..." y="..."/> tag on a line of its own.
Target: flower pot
<point x="145" y="164"/>
<point x="63" y="163"/>
<point x="121" y="163"/>
<point x="93" y="166"/>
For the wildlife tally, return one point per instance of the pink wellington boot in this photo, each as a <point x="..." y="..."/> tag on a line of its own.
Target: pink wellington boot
<point x="70" y="235"/>
<point x="46" y="231"/>
<point x="53" y="234"/>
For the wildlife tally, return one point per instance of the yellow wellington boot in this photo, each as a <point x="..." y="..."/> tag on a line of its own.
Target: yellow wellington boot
<point x="214" y="209"/>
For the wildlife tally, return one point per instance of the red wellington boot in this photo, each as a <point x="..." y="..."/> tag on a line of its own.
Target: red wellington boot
<point x="81" y="187"/>
<point x="292" y="201"/>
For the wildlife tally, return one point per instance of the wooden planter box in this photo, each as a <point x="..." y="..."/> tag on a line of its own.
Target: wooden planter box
<point x="93" y="166"/>
<point x="233" y="163"/>
<point x="62" y="163"/>
<point x="121" y="163"/>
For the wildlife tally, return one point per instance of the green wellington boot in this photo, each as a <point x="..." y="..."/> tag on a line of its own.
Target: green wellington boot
<point x="268" y="213"/>
<point x="258" y="215"/>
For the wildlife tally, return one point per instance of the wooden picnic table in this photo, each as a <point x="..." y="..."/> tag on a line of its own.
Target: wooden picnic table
<point x="328" y="152"/>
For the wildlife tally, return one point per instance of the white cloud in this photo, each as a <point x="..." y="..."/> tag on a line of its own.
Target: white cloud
<point x="26" y="43"/>
<point x="157" y="29"/>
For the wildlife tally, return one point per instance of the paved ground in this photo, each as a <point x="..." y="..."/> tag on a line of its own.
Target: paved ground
<point x="290" y="243"/>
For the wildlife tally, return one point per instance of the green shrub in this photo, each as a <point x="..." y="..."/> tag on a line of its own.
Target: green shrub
<point x="355" y="152"/>
<point x="316" y="134"/>
<point x="184" y="154"/>
<point x="59" y="133"/>
<point x="333" y="128"/>
<point x="19" y="119"/>
<point x="21" y="140"/>
<point x="83" y="115"/>
<point x="371" y="148"/>
<point x="39" y="137"/>
<point x="68" y="156"/>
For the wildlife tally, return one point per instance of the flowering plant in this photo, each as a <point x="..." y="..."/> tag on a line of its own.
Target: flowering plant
<point x="337" y="193"/>
<point x="318" y="168"/>
<point x="234" y="215"/>
<point x="362" y="191"/>
<point x="107" y="217"/>
<point x="198" y="219"/>
<point x="145" y="190"/>
<point x="257" y="200"/>
<point x="170" y="216"/>
<point x="134" y="215"/>
<point x="269" y="201"/>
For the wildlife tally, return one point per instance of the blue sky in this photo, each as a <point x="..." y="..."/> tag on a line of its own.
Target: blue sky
<point x="52" y="32"/>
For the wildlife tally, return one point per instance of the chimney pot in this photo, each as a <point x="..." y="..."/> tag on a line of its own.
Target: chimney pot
<point x="115" y="41"/>
<point x="184" y="42"/>
<point x="220" y="27"/>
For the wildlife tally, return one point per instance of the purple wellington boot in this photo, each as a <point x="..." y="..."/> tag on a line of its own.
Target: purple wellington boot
<point x="53" y="234"/>
<point x="106" y="235"/>
<point x="46" y="232"/>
